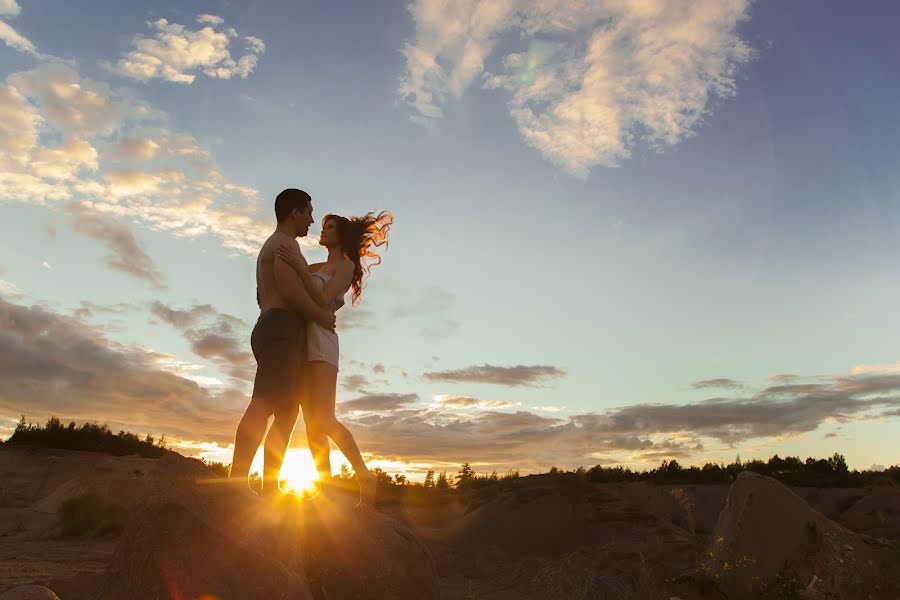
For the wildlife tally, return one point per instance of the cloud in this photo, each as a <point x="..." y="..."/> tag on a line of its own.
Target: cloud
<point x="350" y="317"/>
<point x="127" y="254"/>
<point x="377" y="402"/>
<point x="433" y="304"/>
<point x="469" y="403"/>
<point x="74" y="105"/>
<point x="776" y="411"/>
<point x="727" y="384"/>
<point x="519" y="375"/>
<point x="17" y="41"/>
<point x="51" y="364"/>
<point x="875" y="369"/>
<point x="355" y="382"/>
<point x="595" y="77"/>
<point x="217" y="337"/>
<point x="641" y="433"/>
<point x="118" y="158"/>
<point x="178" y="54"/>
<point x="9" y="8"/>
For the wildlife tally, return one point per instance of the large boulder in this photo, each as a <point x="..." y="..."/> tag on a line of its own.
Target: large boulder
<point x="768" y="542"/>
<point x="193" y="540"/>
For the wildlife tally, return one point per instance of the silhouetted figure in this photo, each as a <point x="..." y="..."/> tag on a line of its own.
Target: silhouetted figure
<point x="279" y="344"/>
<point x="350" y="244"/>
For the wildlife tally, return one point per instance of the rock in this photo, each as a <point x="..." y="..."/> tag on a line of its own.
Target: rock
<point x="359" y="554"/>
<point x="29" y="592"/>
<point x="193" y="540"/>
<point x="768" y="542"/>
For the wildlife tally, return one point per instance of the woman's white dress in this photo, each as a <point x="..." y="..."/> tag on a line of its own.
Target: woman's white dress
<point x="321" y="343"/>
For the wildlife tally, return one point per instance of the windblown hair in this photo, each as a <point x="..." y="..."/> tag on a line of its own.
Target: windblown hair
<point x="359" y="237"/>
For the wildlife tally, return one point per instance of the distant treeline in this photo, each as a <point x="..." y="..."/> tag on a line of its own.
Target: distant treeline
<point x="812" y="472"/>
<point x="89" y="437"/>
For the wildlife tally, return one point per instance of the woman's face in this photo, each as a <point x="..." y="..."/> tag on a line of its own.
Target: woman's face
<point x="329" y="235"/>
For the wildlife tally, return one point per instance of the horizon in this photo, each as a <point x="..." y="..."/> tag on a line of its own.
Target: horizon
<point x="624" y="233"/>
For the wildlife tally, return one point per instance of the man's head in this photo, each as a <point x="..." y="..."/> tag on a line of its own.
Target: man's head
<point x="293" y="209"/>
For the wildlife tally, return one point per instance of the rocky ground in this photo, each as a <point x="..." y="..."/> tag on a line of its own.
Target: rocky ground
<point x="535" y="537"/>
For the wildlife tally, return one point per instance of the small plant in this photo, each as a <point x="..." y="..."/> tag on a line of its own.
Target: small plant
<point x="89" y="516"/>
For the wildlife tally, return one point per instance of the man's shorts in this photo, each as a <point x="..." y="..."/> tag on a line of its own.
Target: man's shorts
<point x="279" y="346"/>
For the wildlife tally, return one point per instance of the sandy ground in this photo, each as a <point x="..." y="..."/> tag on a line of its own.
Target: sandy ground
<point x="537" y="534"/>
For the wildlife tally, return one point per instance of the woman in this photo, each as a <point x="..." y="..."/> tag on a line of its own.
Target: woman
<point x="350" y="243"/>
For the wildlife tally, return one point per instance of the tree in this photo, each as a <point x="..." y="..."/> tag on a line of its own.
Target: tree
<point x="400" y="479"/>
<point x="429" y="479"/>
<point x="465" y="476"/>
<point x="442" y="483"/>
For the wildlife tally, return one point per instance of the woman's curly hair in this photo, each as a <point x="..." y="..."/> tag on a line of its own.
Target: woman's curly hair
<point x="359" y="237"/>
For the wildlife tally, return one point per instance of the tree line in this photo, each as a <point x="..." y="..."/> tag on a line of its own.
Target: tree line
<point x="816" y="472"/>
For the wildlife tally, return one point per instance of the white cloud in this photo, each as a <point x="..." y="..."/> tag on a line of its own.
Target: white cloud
<point x="613" y="73"/>
<point x="64" y="137"/>
<point x="178" y="54"/>
<point x="72" y="104"/>
<point x="16" y="41"/>
<point x="9" y="8"/>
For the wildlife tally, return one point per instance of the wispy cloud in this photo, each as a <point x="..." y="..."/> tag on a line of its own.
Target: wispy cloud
<point x="433" y="305"/>
<point x="470" y="403"/>
<point x="17" y="41"/>
<point x="594" y="77"/>
<point x="160" y="179"/>
<point x="54" y="364"/>
<point x="178" y="54"/>
<point x="726" y="384"/>
<point x="57" y="364"/>
<point x="377" y="402"/>
<point x="217" y="337"/>
<point x="127" y="254"/>
<point x="519" y="375"/>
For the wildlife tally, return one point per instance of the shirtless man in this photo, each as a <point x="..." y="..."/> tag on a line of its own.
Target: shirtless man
<point x="279" y="344"/>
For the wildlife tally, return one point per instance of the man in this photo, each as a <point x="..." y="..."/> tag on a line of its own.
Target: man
<point x="279" y="345"/>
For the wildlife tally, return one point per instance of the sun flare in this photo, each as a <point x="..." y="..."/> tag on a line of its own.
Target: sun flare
<point x="298" y="472"/>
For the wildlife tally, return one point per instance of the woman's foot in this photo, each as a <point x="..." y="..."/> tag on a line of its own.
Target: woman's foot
<point x="367" y="486"/>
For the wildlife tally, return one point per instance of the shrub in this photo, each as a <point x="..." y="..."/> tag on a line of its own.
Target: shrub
<point x="89" y="516"/>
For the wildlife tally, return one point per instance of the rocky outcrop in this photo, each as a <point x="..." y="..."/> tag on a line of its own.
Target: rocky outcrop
<point x="768" y="542"/>
<point x="193" y="540"/>
<point x="29" y="592"/>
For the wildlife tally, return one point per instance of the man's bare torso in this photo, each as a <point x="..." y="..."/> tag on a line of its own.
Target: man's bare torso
<point x="269" y="297"/>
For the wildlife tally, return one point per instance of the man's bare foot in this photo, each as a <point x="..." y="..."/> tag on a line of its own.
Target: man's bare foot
<point x="368" y="484"/>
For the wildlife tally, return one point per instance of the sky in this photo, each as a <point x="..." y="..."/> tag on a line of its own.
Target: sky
<point x="624" y="231"/>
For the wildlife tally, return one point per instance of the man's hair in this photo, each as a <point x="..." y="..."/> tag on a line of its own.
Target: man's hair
<point x="288" y="200"/>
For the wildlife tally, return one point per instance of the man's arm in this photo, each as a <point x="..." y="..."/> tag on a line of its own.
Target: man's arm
<point x="290" y="289"/>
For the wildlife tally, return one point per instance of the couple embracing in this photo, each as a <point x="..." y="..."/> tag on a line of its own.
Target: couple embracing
<point x="295" y="343"/>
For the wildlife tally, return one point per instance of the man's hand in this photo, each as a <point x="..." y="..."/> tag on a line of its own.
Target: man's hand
<point x="326" y="319"/>
<point x="293" y="258"/>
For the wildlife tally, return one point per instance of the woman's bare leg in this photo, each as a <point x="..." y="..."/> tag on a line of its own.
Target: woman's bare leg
<point x="323" y="382"/>
<point x="316" y="439"/>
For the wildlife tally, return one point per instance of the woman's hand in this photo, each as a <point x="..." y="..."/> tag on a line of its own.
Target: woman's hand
<point x="293" y="258"/>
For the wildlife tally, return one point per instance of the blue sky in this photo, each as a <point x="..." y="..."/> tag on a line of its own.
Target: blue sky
<point x="624" y="232"/>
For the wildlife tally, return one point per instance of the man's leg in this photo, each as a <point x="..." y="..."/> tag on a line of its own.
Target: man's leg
<point x="249" y="436"/>
<point x="276" y="444"/>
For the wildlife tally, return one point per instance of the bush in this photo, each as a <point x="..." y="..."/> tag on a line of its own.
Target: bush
<point x="91" y="437"/>
<point x="89" y="516"/>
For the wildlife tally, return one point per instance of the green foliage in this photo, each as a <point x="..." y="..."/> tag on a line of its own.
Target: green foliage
<point x="89" y="516"/>
<point x="220" y="469"/>
<point x="90" y="437"/>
